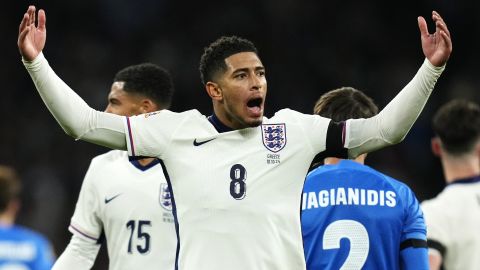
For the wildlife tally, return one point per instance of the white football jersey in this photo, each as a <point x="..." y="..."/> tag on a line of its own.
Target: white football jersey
<point x="453" y="221"/>
<point x="236" y="194"/>
<point x="131" y="205"/>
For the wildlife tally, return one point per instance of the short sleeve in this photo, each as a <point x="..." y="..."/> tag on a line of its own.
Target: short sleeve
<point x="414" y="224"/>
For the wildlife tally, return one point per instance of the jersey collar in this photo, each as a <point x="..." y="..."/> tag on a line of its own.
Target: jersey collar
<point x="469" y="180"/>
<point x="217" y="124"/>
<point x="139" y="166"/>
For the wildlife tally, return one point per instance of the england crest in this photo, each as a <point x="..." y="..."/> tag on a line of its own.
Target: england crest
<point x="165" y="197"/>
<point x="274" y="136"/>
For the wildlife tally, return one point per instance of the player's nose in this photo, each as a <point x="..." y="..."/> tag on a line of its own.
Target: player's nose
<point x="108" y="109"/>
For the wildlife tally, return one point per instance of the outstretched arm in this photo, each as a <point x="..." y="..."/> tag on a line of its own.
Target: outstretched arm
<point x="75" y="116"/>
<point x="392" y="124"/>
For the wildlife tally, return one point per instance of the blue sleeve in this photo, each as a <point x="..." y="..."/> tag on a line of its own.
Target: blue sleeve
<point x="414" y="258"/>
<point x="414" y="225"/>
<point x="413" y="248"/>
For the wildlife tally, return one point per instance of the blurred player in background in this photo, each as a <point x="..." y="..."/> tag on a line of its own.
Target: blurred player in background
<point x="127" y="201"/>
<point x="20" y="247"/>
<point x="236" y="176"/>
<point x="354" y="217"/>
<point x="453" y="216"/>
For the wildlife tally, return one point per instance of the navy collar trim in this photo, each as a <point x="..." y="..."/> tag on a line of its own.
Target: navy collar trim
<point x="217" y="124"/>
<point x="139" y="166"/>
<point x="469" y="180"/>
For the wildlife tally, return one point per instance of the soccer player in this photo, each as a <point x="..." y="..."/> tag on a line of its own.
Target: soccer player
<point x="236" y="176"/>
<point x="20" y="247"/>
<point x="127" y="201"/>
<point x="354" y="217"/>
<point x="453" y="216"/>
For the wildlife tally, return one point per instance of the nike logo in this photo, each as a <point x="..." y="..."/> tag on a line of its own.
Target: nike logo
<point x="195" y="143"/>
<point x="109" y="200"/>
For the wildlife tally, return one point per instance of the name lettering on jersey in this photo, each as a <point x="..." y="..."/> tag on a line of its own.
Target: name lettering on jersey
<point x="348" y="196"/>
<point x="165" y="197"/>
<point x="274" y="136"/>
<point x="10" y="250"/>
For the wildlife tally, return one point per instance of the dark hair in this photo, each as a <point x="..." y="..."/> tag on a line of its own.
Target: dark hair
<point x="213" y="58"/>
<point x="457" y="124"/>
<point x="9" y="186"/>
<point x="345" y="103"/>
<point x="149" y="80"/>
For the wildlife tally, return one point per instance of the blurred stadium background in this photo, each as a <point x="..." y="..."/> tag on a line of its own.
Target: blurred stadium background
<point x="307" y="46"/>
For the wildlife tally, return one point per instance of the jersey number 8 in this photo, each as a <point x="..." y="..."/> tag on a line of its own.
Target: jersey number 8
<point x="238" y="175"/>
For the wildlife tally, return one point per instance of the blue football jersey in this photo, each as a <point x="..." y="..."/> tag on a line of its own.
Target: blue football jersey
<point x="24" y="249"/>
<point x="354" y="217"/>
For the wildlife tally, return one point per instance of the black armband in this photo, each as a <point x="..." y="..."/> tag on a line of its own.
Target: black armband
<point x="335" y="141"/>
<point x="415" y="243"/>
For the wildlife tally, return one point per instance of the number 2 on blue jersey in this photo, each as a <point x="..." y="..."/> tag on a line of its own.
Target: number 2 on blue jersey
<point x="356" y="233"/>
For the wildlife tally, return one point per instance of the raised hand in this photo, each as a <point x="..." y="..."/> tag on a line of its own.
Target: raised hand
<point x="437" y="47"/>
<point x="31" y="38"/>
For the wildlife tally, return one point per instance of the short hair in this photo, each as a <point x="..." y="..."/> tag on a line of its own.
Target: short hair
<point x="345" y="103"/>
<point x="213" y="59"/>
<point x="457" y="124"/>
<point x="149" y="80"/>
<point x="10" y="186"/>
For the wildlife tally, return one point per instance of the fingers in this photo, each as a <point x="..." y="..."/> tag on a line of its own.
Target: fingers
<point x="422" y="25"/>
<point x="23" y="23"/>
<point x="442" y="29"/>
<point x="31" y="14"/>
<point x="439" y="23"/>
<point x="42" y="18"/>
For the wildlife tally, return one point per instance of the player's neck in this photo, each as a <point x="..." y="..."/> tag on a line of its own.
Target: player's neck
<point x="145" y="161"/>
<point x="6" y="219"/>
<point x="455" y="168"/>
<point x="332" y="160"/>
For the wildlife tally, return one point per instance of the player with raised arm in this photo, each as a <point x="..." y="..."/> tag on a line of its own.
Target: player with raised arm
<point x="354" y="217"/>
<point x="126" y="201"/>
<point x="453" y="216"/>
<point x="236" y="176"/>
<point x="20" y="247"/>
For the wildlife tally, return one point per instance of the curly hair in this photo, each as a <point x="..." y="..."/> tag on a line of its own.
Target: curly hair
<point x="213" y="59"/>
<point x="149" y="80"/>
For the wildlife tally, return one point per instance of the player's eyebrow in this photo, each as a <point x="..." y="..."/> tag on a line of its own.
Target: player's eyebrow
<point x="257" y="68"/>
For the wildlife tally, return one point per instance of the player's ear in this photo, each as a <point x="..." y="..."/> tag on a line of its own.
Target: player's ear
<point x="436" y="146"/>
<point x="147" y="105"/>
<point x="477" y="149"/>
<point x="214" y="91"/>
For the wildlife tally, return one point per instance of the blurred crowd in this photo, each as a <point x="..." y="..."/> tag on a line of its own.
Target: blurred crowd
<point x="307" y="47"/>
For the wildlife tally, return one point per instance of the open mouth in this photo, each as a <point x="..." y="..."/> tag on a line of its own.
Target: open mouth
<point x="256" y="102"/>
<point x="255" y="106"/>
